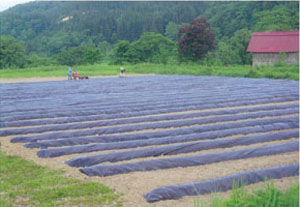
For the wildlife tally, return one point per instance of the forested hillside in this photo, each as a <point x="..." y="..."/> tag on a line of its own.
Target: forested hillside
<point x="49" y="28"/>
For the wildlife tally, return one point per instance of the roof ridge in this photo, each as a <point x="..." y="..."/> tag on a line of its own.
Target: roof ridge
<point x="275" y="34"/>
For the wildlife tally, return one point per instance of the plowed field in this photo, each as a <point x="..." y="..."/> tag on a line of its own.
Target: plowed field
<point x="138" y="134"/>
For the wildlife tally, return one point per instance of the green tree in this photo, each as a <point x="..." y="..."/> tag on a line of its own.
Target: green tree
<point x="151" y="47"/>
<point x="71" y="56"/>
<point x="91" y="55"/>
<point x="12" y="53"/>
<point x="34" y="60"/>
<point x="120" y="51"/>
<point x="280" y="18"/>
<point x="105" y="47"/>
<point x="78" y="55"/>
<point x="225" y="54"/>
<point x="239" y="43"/>
<point x="39" y="27"/>
<point x="172" y="29"/>
<point x="234" y="50"/>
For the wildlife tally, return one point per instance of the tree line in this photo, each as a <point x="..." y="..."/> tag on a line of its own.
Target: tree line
<point x="71" y="33"/>
<point x="195" y="42"/>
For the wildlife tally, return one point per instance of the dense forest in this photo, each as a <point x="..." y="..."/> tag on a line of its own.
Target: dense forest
<point x="88" y="32"/>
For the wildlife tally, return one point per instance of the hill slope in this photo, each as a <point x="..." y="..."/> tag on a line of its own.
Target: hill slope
<point x="48" y="27"/>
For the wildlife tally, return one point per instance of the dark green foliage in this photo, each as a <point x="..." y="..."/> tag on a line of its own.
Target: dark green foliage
<point x="121" y="51"/>
<point x="91" y="56"/>
<point x="172" y="30"/>
<point x="281" y="60"/>
<point x="234" y="50"/>
<point x="239" y="43"/>
<point x="79" y="56"/>
<point x="151" y="47"/>
<point x="106" y="50"/>
<point x="228" y="17"/>
<point x="279" y="18"/>
<point x="11" y="53"/>
<point x="40" y="23"/>
<point x="50" y="28"/>
<point x="225" y="54"/>
<point x="35" y="60"/>
<point x="195" y="40"/>
<point x="71" y="56"/>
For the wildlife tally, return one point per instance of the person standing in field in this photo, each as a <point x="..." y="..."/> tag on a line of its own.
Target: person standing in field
<point x="70" y="73"/>
<point x="122" y="71"/>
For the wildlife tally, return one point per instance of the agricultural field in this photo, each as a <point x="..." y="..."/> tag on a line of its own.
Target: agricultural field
<point x="158" y="140"/>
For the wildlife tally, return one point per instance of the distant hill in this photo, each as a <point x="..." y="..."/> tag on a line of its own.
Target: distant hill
<point x="48" y="27"/>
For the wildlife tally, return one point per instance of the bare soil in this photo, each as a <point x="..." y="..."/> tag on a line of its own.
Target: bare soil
<point x="43" y="79"/>
<point x="134" y="185"/>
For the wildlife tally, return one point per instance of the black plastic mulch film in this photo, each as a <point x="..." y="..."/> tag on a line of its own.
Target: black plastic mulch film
<point x="131" y="105"/>
<point x="187" y="161"/>
<point x="154" y="91"/>
<point x="178" y="149"/>
<point x="180" y="130"/>
<point x="249" y="139"/>
<point x="156" y="109"/>
<point x="221" y="184"/>
<point x="164" y="123"/>
<point x="131" y="117"/>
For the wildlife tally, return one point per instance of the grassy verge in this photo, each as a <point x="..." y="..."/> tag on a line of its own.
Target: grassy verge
<point x="23" y="183"/>
<point x="279" y="72"/>
<point x="59" y="71"/>
<point x="270" y="196"/>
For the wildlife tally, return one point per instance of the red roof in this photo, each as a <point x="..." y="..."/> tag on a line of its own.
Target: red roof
<point x="279" y="41"/>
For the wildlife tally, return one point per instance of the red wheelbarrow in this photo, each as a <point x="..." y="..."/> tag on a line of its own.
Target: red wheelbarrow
<point x="77" y="76"/>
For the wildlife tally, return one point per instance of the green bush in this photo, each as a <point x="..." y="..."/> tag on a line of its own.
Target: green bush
<point x="12" y="53"/>
<point x="269" y="196"/>
<point x="151" y="48"/>
<point x="281" y="60"/>
<point x="79" y="56"/>
<point x="252" y="73"/>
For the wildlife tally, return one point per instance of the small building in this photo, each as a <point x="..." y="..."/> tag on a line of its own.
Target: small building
<point x="268" y="48"/>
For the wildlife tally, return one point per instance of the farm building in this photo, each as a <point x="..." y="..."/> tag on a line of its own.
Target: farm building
<point x="267" y="48"/>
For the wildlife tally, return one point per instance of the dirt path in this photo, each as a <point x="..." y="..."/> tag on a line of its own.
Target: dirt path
<point x="43" y="79"/>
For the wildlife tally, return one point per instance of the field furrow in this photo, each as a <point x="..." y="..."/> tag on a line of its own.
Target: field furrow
<point x="147" y="136"/>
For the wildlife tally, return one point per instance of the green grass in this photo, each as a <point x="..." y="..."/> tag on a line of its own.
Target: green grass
<point x="23" y="183"/>
<point x="270" y="196"/>
<point x="274" y="72"/>
<point x="59" y="71"/>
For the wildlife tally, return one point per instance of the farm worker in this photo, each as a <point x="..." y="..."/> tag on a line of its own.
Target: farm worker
<point x="122" y="71"/>
<point x="70" y="73"/>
